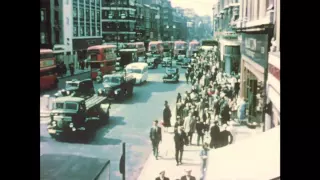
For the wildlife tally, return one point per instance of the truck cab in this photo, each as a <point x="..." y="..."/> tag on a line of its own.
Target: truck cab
<point x="77" y="88"/>
<point x="75" y="115"/>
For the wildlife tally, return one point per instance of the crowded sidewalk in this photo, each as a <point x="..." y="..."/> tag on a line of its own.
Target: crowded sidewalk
<point x="166" y="161"/>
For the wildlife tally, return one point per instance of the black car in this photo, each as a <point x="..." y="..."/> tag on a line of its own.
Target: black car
<point x="77" y="88"/>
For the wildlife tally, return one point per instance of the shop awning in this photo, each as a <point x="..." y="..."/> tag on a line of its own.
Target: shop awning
<point x="256" y="158"/>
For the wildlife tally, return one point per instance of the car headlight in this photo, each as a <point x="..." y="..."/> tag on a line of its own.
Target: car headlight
<point x="54" y="123"/>
<point x="116" y="92"/>
<point x="71" y="125"/>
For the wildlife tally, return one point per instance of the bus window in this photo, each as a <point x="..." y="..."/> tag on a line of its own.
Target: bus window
<point x="95" y="65"/>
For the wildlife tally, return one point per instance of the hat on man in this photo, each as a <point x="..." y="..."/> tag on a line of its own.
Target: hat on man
<point x="188" y="170"/>
<point x="215" y="122"/>
<point x="162" y="172"/>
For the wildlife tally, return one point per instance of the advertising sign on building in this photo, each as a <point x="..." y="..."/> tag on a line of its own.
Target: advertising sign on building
<point x="255" y="46"/>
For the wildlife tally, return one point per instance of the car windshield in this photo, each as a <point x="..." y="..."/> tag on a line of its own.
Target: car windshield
<point x="111" y="79"/>
<point x="170" y="71"/>
<point x="133" y="71"/>
<point x="67" y="105"/>
<point x="72" y="85"/>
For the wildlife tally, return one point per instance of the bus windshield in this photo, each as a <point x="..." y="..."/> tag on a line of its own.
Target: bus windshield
<point x="67" y="105"/>
<point x="180" y="46"/>
<point x="153" y="47"/>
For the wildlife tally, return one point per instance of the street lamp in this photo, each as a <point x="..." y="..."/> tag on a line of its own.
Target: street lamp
<point x="172" y="27"/>
<point x="158" y="27"/>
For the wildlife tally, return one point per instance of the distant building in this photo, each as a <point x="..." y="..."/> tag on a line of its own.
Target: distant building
<point x="119" y="20"/>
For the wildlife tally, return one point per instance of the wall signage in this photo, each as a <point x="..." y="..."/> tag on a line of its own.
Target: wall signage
<point x="255" y="46"/>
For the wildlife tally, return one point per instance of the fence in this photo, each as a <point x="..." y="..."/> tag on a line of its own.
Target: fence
<point x="46" y="105"/>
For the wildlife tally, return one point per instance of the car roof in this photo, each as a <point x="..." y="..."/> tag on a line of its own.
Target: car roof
<point x="128" y="50"/>
<point x="77" y="80"/>
<point x="137" y="65"/>
<point x="69" y="98"/>
<point x="113" y="75"/>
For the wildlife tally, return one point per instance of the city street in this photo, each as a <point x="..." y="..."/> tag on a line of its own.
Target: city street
<point x="130" y="122"/>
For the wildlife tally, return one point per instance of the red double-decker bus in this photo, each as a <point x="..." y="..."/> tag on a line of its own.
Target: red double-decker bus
<point x="156" y="47"/>
<point x="48" y="74"/>
<point x="141" y="50"/>
<point x="102" y="59"/>
<point x="193" y="47"/>
<point x="180" y="48"/>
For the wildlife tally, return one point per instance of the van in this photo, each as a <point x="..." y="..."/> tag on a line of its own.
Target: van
<point x="138" y="70"/>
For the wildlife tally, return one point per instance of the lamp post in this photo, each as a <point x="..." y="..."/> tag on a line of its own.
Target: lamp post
<point x="158" y="26"/>
<point x="173" y="27"/>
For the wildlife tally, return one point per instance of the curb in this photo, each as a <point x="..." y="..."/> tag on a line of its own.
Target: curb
<point x="73" y="75"/>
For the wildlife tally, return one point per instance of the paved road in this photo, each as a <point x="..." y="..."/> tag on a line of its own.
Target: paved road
<point x="129" y="122"/>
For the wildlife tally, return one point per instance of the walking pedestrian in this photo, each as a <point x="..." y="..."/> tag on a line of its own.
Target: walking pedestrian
<point x="204" y="156"/>
<point x="200" y="131"/>
<point x="162" y="176"/>
<point x="179" y="98"/>
<point x="156" y="138"/>
<point x="71" y="68"/>
<point x="214" y="134"/>
<point x="225" y="136"/>
<point x="166" y="116"/>
<point x="187" y="74"/>
<point x="180" y="139"/>
<point x="189" y="127"/>
<point x="188" y="175"/>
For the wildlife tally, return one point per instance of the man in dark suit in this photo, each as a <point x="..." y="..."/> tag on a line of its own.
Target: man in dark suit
<point x="225" y="136"/>
<point x="155" y="137"/>
<point x="206" y="115"/>
<point x="214" y="134"/>
<point x="162" y="176"/>
<point x="188" y="175"/>
<point x="180" y="138"/>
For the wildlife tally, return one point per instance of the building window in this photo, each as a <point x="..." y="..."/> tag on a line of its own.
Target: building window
<point x="92" y="15"/>
<point x="42" y="14"/>
<point x="93" y="31"/>
<point x="75" y="13"/>
<point x="98" y="2"/>
<point x="98" y="31"/>
<point x="87" y="30"/>
<point x="81" y="13"/>
<point x="82" y="30"/>
<point x="75" y="31"/>
<point x="131" y="2"/>
<point x="92" y="2"/>
<point x="87" y="1"/>
<point x="131" y="13"/>
<point x="98" y="16"/>
<point x="87" y="15"/>
<point x="43" y="38"/>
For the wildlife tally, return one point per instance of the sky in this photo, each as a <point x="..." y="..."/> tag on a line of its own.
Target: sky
<point x="201" y="7"/>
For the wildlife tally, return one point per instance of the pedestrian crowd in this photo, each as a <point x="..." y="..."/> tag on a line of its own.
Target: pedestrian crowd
<point x="212" y="101"/>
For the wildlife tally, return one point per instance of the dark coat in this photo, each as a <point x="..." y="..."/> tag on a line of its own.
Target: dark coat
<point x="185" y="178"/>
<point x="205" y="116"/>
<point x="155" y="135"/>
<point x="167" y="116"/>
<point x="224" y="111"/>
<point x="223" y="136"/>
<point x="165" y="178"/>
<point x="200" y="128"/>
<point x="180" y="140"/>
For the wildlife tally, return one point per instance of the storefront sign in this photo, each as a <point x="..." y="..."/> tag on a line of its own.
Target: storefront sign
<point x="255" y="46"/>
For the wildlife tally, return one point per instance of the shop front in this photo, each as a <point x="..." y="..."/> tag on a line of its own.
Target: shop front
<point x="230" y="55"/>
<point x="254" y="58"/>
<point x="273" y="91"/>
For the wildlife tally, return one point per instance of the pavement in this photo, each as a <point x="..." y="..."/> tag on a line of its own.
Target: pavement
<point x="130" y="122"/>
